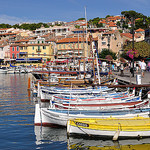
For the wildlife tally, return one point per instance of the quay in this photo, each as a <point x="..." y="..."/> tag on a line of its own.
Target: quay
<point x="127" y="77"/>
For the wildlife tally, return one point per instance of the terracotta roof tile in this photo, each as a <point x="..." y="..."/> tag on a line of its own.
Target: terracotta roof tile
<point x="74" y="39"/>
<point x="139" y="30"/>
<point x="129" y="35"/>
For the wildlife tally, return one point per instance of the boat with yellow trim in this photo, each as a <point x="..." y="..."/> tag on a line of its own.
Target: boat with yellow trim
<point x="136" y="127"/>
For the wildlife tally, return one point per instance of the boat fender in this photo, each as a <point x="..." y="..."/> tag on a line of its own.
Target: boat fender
<point x="116" y="135"/>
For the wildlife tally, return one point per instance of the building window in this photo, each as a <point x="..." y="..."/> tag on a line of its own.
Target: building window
<point x="103" y="43"/>
<point x="13" y="49"/>
<point x="17" y="55"/>
<point x="64" y="46"/>
<point x="38" y="48"/>
<point x="21" y="48"/>
<point x="59" y="46"/>
<point x="32" y="47"/>
<point x="44" y="47"/>
<point x="70" y="45"/>
<point x="17" y="48"/>
<point x="13" y="55"/>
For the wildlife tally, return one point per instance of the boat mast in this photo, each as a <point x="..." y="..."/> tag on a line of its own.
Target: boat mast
<point x="86" y="33"/>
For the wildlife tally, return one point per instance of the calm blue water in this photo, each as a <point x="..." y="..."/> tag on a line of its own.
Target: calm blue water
<point x="17" y="130"/>
<point x="17" y="118"/>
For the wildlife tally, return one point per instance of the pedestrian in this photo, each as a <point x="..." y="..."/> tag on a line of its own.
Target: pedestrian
<point x="122" y="68"/>
<point x="137" y="67"/>
<point x="143" y="67"/>
<point x="113" y="67"/>
<point x="149" y="66"/>
<point x="118" y="65"/>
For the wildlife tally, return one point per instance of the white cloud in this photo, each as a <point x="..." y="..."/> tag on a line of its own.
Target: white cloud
<point x="15" y="20"/>
<point x="10" y="19"/>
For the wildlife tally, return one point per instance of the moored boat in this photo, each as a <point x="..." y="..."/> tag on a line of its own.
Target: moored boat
<point x="50" y="116"/>
<point x="136" y="127"/>
<point x="3" y="70"/>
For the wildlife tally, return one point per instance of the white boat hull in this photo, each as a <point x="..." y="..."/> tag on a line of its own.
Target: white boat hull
<point x="79" y="130"/>
<point x="48" y="117"/>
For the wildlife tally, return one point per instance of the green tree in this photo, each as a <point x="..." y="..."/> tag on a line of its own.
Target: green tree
<point x="132" y="13"/>
<point x="76" y="26"/>
<point x="95" y="22"/>
<point x="138" y="23"/>
<point x="107" y="16"/>
<point x="16" y="26"/>
<point x="142" y="48"/>
<point x="106" y="52"/>
<point x="3" y="25"/>
<point x="142" y="23"/>
<point x="81" y="19"/>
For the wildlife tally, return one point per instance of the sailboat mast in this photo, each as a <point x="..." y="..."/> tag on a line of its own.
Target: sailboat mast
<point x="86" y="33"/>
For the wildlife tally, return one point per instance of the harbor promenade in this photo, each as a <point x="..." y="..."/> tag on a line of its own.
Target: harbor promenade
<point x="127" y="77"/>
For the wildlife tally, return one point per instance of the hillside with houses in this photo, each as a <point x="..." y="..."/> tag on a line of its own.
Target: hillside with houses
<point x="69" y="40"/>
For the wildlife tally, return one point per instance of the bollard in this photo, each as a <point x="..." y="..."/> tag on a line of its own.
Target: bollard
<point x="138" y="79"/>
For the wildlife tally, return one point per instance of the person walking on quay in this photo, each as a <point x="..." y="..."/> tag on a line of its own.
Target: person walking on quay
<point x="122" y="67"/>
<point x="143" y="67"/>
<point x="149" y="66"/>
<point x="137" y="67"/>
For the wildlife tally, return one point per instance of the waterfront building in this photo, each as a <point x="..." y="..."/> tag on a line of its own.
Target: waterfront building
<point x="4" y="53"/>
<point x="58" y="30"/>
<point x="14" y="51"/>
<point x="40" y="50"/>
<point x="111" y="40"/>
<point x="75" y="47"/>
<point x="56" y="23"/>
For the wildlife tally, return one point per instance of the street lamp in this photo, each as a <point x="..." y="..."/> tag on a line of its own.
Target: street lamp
<point x="132" y="23"/>
<point x="108" y="42"/>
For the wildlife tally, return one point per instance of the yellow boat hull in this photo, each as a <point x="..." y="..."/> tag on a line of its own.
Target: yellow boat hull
<point x="132" y="127"/>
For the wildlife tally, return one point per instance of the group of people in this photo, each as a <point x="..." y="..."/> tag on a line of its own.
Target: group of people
<point x="138" y="65"/>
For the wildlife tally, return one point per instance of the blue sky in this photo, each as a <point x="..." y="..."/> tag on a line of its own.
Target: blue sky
<point x="17" y="11"/>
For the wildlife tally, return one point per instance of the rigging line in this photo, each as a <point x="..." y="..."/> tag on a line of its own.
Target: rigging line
<point x="81" y="129"/>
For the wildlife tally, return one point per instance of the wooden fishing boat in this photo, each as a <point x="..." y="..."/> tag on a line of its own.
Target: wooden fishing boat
<point x="3" y="70"/>
<point x="103" y="106"/>
<point x="48" y="92"/>
<point x="136" y="127"/>
<point x="96" y="102"/>
<point x="96" y="99"/>
<point x="51" y="116"/>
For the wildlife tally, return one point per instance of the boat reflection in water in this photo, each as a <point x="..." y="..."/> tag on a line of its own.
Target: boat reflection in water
<point x="50" y="135"/>
<point x="47" y="135"/>
<point x="90" y="144"/>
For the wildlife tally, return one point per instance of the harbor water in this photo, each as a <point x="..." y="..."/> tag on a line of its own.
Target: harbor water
<point x="17" y="130"/>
